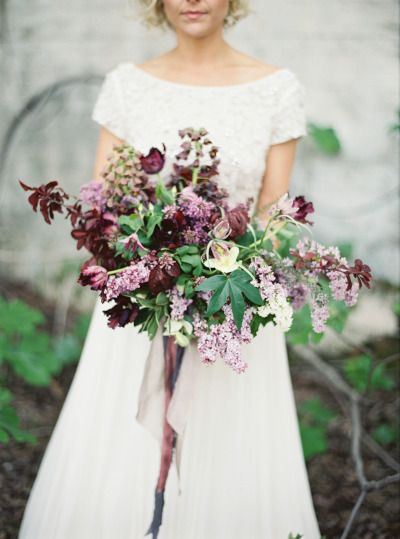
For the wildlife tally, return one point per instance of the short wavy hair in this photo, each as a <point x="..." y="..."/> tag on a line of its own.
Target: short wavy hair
<point x="153" y="16"/>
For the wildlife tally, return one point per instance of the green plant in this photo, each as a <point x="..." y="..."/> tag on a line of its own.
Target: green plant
<point x="314" y="421"/>
<point x="32" y="354"/>
<point x="325" y="138"/>
<point x="356" y="370"/>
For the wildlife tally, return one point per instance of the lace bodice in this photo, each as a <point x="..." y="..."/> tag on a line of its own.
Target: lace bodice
<point x="243" y="120"/>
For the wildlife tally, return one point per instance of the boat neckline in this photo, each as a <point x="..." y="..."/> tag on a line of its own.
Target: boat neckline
<point x="254" y="82"/>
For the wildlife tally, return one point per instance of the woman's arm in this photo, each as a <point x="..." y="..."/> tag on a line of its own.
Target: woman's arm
<point x="276" y="180"/>
<point x="105" y="145"/>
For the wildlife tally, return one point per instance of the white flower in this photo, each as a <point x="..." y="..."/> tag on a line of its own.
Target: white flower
<point x="225" y="259"/>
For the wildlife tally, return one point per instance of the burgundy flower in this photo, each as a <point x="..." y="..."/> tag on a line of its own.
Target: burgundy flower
<point x="122" y="313"/>
<point x="304" y="208"/>
<point x="167" y="235"/>
<point x="94" y="276"/>
<point x="238" y="219"/>
<point x="162" y="277"/>
<point x="49" y="197"/>
<point x="154" y="161"/>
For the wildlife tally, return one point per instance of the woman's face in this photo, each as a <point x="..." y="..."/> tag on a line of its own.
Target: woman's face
<point x="196" y="17"/>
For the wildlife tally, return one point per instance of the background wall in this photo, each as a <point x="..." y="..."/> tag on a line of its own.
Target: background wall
<point x="344" y="51"/>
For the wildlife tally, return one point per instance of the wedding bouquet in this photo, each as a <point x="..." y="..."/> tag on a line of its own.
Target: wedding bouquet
<point x="173" y="253"/>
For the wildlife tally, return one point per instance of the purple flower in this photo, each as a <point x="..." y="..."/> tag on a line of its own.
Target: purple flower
<point x="319" y="312"/>
<point x="92" y="194"/>
<point x="224" y="340"/>
<point x="154" y="161"/>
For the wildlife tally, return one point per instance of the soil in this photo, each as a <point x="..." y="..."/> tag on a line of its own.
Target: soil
<point x="332" y="475"/>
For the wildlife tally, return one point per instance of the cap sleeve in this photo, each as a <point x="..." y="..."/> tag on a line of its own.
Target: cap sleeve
<point x="108" y="108"/>
<point x="289" y="120"/>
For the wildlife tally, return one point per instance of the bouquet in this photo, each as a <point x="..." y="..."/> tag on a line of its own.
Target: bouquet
<point x="174" y="255"/>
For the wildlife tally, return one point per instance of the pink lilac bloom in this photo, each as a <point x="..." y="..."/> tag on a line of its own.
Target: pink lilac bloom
<point x="299" y="293"/>
<point x="92" y="194"/>
<point x="338" y="284"/>
<point x="129" y="279"/>
<point x="319" y="312"/>
<point x="224" y="340"/>
<point x="178" y="304"/>
<point x="170" y="211"/>
<point x="194" y="206"/>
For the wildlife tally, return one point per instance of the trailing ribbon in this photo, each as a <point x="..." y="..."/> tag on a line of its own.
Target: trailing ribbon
<point x="173" y="354"/>
<point x="164" y="403"/>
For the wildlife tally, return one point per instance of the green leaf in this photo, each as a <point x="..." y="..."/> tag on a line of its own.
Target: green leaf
<point x="154" y="220"/>
<point x="67" y="349"/>
<point x="16" y="317"/>
<point x="218" y="299"/>
<point x="313" y="439"/>
<point x="237" y="302"/>
<point x="211" y="283"/>
<point x="130" y="223"/>
<point x="162" y="299"/>
<point x="356" y="372"/>
<point x="163" y="194"/>
<point x="385" y="434"/>
<point x="325" y="138"/>
<point x="315" y="411"/>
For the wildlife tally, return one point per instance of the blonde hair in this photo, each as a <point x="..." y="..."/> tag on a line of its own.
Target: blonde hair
<point x="153" y="16"/>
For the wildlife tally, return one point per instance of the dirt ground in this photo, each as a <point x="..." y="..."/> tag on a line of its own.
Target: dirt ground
<point x="332" y="477"/>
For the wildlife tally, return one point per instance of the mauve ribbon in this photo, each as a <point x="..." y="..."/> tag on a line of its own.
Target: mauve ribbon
<point x="164" y="403"/>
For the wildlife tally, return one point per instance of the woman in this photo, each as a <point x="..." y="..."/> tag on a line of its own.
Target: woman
<point x="240" y="471"/>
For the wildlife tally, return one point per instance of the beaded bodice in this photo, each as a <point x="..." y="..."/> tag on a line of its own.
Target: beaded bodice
<point x="243" y="120"/>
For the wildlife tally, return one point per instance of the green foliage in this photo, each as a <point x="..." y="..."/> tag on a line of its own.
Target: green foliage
<point x="9" y="421"/>
<point x="395" y="127"/>
<point x="232" y="286"/>
<point x="32" y="355"/>
<point x="314" y="420"/>
<point x="356" y="370"/>
<point x="301" y="330"/>
<point x="325" y="138"/>
<point x="385" y="434"/>
<point x="396" y="307"/>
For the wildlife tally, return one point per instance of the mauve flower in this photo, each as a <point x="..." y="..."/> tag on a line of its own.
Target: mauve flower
<point x="221" y="229"/>
<point x="154" y="161"/>
<point x="238" y="218"/>
<point x="94" y="276"/>
<point x="132" y="242"/>
<point x="303" y="209"/>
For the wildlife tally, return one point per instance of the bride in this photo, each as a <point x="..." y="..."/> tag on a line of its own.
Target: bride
<point x="239" y="469"/>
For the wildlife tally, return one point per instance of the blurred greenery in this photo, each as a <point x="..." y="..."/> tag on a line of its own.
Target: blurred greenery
<point x="314" y="421"/>
<point x="325" y="138"/>
<point x="33" y="355"/>
<point x="356" y="370"/>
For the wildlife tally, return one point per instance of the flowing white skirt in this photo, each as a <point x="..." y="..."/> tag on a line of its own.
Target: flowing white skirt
<point x="242" y="473"/>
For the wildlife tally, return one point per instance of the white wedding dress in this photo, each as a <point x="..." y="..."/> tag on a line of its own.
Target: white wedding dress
<point x="242" y="473"/>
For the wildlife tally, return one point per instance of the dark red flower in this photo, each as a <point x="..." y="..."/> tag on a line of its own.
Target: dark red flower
<point x="154" y="161"/>
<point x="238" y="219"/>
<point x="49" y="197"/>
<point x="122" y="313"/>
<point x="163" y="275"/>
<point x="168" y="233"/>
<point x="304" y="208"/>
<point x="362" y="272"/>
<point x="93" y="276"/>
